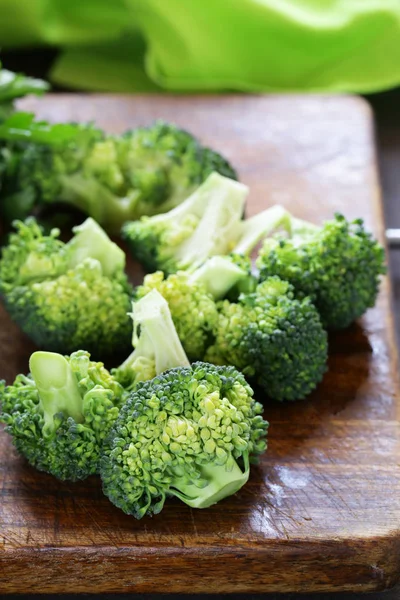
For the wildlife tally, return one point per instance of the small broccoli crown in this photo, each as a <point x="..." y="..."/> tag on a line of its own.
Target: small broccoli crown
<point x="338" y="265"/>
<point x="205" y="224"/>
<point x="79" y="308"/>
<point x="193" y="310"/>
<point x="155" y="339"/>
<point x="59" y="415"/>
<point x="62" y="297"/>
<point x="274" y="338"/>
<point x="190" y="433"/>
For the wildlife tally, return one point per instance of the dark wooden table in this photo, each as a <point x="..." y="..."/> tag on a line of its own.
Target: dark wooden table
<point x="386" y="109"/>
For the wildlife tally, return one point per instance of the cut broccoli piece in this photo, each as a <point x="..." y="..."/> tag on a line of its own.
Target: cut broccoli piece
<point x="204" y="225"/>
<point x="111" y="178"/>
<point x="193" y="309"/>
<point x="338" y="265"/>
<point x="274" y="338"/>
<point x="156" y="342"/>
<point x="59" y="415"/>
<point x="258" y="227"/>
<point x="191" y="297"/>
<point x="190" y="432"/>
<point x="67" y="296"/>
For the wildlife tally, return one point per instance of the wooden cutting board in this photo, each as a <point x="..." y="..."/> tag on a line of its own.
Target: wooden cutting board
<point x="322" y="510"/>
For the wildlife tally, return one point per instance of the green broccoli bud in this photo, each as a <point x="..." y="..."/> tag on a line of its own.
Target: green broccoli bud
<point x="190" y="432"/>
<point x="274" y="338"/>
<point x="204" y="225"/>
<point x="338" y="265"/>
<point x="156" y="342"/>
<point x="67" y="296"/>
<point x="60" y="414"/>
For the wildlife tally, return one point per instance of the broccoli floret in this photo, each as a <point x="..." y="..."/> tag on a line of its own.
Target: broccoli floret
<point x="111" y="178"/>
<point x="67" y="296"/>
<point x="204" y="225"/>
<point x="59" y="415"/>
<point x="338" y="265"/>
<point x="274" y="338"/>
<point x="190" y="432"/>
<point x="156" y="342"/>
<point x="191" y="297"/>
<point x="193" y="309"/>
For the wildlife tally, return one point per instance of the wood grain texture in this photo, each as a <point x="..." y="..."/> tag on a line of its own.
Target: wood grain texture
<point x="322" y="510"/>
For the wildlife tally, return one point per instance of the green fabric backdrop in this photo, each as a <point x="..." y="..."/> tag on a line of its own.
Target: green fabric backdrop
<point x="184" y="45"/>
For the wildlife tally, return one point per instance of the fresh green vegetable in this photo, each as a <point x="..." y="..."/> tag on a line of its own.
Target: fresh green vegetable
<point x="191" y="297"/>
<point x="67" y="296"/>
<point x="338" y="265"/>
<point x="111" y="178"/>
<point x="190" y="432"/>
<point x="16" y="85"/>
<point x="274" y="338"/>
<point x="204" y="225"/>
<point x="156" y="342"/>
<point x="59" y="415"/>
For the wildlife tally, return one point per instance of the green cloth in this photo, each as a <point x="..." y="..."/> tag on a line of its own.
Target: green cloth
<point x="205" y="45"/>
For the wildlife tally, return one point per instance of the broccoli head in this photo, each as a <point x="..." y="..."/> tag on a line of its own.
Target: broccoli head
<point x="67" y="296"/>
<point x="338" y="265"/>
<point x="156" y="342"/>
<point x="205" y="224"/>
<point x="190" y="432"/>
<point x="113" y="179"/>
<point x="274" y="338"/>
<point x="192" y="296"/>
<point x="59" y="415"/>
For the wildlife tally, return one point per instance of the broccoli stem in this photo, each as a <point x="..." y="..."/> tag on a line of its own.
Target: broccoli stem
<point x="154" y="336"/>
<point x="220" y="221"/>
<point x="221" y="484"/>
<point x="92" y="197"/>
<point x="57" y="386"/>
<point x="218" y="275"/>
<point x="91" y="241"/>
<point x="258" y="227"/>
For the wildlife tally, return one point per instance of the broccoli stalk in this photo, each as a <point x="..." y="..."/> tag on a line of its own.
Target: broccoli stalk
<point x="218" y="275"/>
<point x="204" y="225"/>
<point x="219" y="484"/>
<point x="57" y="387"/>
<point x="338" y="265"/>
<point x="156" y="342"/>
<point x="91" y="241"/>
<point x="259" y="226"/>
